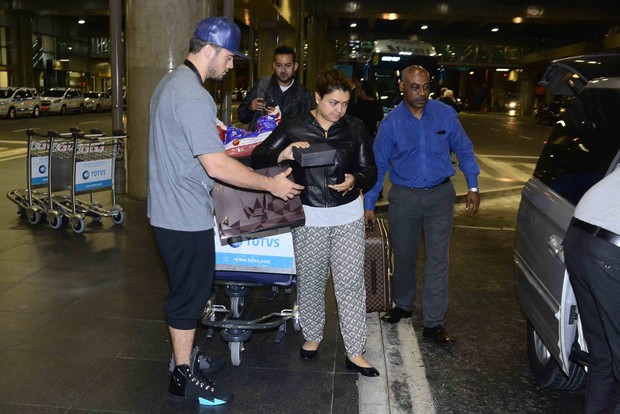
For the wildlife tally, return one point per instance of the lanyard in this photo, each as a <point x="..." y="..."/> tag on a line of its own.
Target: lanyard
<point x="193" y="68"/>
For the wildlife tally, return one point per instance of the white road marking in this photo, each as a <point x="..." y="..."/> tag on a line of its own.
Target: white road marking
<point x="525" y="137"/>
<point x="13" y="142"/>
<point x="20" y="130"/>
<point x="89" y="122"/>
<point x="525" y="157"/>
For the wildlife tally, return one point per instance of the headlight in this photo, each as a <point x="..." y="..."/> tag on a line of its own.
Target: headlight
<point x="57" y="101"/>
<point x="512" y="105"/>
<point x="3" y="103"/>
<point x="562" y="110"/>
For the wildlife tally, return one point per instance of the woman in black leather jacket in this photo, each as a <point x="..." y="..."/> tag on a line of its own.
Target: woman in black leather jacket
<point x="333" y="236"/>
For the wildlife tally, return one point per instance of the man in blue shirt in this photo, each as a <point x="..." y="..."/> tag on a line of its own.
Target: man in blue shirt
<point x="414" y="144"/>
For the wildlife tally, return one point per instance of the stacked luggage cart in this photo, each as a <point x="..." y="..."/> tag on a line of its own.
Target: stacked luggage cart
<point x="61" y="167"/>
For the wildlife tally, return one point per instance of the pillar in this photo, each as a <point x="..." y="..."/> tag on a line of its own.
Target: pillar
<point x="157" y="39"/>
<point x="268" y="40"/>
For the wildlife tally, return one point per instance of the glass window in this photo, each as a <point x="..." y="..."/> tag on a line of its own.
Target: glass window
<point x="579" y="153"/>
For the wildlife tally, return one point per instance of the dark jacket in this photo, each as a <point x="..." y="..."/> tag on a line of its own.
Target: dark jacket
<point x="353" y="156"/>
<point x="296" y="100"/>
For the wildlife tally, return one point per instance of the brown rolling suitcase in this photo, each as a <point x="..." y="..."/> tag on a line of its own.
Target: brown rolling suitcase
<point x="378" y="268"/>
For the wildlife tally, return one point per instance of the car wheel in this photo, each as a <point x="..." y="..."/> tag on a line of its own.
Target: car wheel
<point x="82" y="109"/>
<point x="546" y="370"/>
<point x="98" y="108"/>
<point x="63" y="110"/>
<point x="11" y="114"/>
<point x="36" y="112"/>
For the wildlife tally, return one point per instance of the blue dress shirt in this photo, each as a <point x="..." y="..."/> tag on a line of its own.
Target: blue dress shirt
<point x="418" y="152"/>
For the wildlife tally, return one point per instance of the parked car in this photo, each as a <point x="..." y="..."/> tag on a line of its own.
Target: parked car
<point x="550" y="112"/>
<point x="583" y="147"/>
<point x="16" y="101"/>
<point x="62" y="100"/>
<point x="97" y="101"/>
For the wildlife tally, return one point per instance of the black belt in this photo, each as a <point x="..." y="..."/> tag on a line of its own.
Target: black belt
<point x="447" y="180"/>
<point x="597" y="231"/>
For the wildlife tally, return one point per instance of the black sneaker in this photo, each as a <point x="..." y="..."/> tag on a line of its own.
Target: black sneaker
<point x="200" y="362"/>
<point x="185" y="386"/>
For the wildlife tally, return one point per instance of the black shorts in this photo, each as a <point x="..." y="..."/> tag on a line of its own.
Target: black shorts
<point x="190" y="260"/>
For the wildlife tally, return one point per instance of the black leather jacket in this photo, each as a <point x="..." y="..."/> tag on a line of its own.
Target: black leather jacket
<point x="353" y="156"/>
<point x="295" y="100"/>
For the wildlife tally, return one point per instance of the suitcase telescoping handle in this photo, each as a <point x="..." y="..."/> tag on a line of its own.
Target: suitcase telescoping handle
<point x="370" y="227"/>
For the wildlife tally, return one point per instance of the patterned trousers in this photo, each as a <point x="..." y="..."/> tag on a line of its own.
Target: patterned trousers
<point x="341" y="249"/>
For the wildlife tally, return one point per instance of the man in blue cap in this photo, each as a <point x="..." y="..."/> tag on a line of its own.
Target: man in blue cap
<point x="185" y="155"/>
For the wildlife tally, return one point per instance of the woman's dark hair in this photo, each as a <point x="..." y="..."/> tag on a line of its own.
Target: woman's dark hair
<point x="329" y="80"/>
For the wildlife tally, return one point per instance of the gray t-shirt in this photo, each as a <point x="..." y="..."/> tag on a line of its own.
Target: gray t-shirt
<point x="182" y="126"/>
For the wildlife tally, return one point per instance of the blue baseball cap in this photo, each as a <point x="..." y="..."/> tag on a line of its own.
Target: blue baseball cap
<point x="221" y="32"/>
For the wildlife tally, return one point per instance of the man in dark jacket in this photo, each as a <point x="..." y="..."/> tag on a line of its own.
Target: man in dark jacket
<point x="280" y="89"/>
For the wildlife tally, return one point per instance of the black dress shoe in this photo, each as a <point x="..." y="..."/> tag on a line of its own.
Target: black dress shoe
<point x="396" y="314"/>
<point x="365" y="371"/>
<point x="439" y="335"/>
<point x="305" y="354"/>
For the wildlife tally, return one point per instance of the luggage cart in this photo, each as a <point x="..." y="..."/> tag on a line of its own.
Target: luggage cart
<point x="236" y="331"/>
<point x="93" y="170"/>
<point x="31" y="202"/>
<point x="65" y="163"/>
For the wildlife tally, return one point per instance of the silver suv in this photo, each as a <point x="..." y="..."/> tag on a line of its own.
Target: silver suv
<point x="16" y="101"/>
<point x="62" y="100"/>
<point x="583" y="147"/>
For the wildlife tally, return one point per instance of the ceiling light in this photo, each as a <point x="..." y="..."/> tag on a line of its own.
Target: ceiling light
<point x="390" y="16"/>
<point x="517" y="20"/>
<point x="495" y="29"/>
<point x="81" y="21"/>
<point x="471" y="72"/>
<point x="352" y="6"/>
<point x="353" y="25"/>
<point x="502" y="70"/>
<point x="424" y="27"/>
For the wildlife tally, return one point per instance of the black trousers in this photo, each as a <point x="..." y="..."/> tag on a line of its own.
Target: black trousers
<point x="190" y="261"/>
<point x="594" y="268"/>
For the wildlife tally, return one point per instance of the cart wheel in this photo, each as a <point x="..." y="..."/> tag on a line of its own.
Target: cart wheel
<point x="295" y="319"/>
<point x="119" y="218"/>
<point x="79" y="227"/>
<point x="34" y="217"/>
<point x="55" y="222"/>
<point x="21" y="211"/>
<point x="95" y="217"/>
<point x="236" y="305"/>
<point x="235" y="352"/>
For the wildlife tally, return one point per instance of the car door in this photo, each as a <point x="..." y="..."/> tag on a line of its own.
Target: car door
<point x="19" y="101"/>
<point x="581" y="150"/>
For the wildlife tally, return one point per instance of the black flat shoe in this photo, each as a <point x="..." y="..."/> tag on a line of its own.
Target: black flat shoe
<point x="367" y="372"/>
<point x="305" y="354"/>
<point x="396" y="314"/>
<point x="439" y="335"/>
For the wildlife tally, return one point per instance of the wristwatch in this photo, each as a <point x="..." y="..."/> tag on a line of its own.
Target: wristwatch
<point x="474" y="189"/>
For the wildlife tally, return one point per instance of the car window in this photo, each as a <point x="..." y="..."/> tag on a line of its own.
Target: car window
<point x="27" y="93"/>
<point x="578" y="153"/>
<point x="19" y="95"/>
<point x="56" y="93"/>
